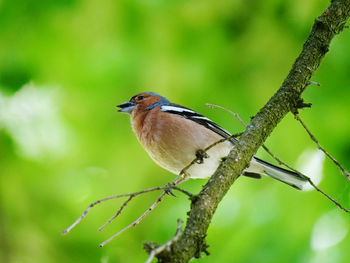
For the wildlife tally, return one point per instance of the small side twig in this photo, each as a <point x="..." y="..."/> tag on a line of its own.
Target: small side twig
<point x="118" y="212"/>
<point x="227" y="110"/>
<point x="167" y="245"/>
<point x="313" y="82"/>
<point x="154" y="205"/>
<point x="288" y="166"/>
<point x="130" y="195"/>
<point x="346" y="174"/>
<point x="168" y="187"/>
<point x="137" y="221"/>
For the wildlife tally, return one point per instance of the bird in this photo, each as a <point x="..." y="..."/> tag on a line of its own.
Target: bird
<point x="173" y="135"/>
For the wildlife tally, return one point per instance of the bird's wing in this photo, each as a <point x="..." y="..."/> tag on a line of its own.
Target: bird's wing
<point x="196" y="117"/>
<point x="204" y="121"/>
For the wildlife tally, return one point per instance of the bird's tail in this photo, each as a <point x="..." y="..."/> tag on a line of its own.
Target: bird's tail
<point x="283" y="175"/>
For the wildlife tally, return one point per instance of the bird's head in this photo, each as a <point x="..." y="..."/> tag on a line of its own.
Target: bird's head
<point x="143" y="101"/>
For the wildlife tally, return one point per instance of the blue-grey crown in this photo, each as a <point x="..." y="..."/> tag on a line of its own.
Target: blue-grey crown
<point x="160" y="102"/>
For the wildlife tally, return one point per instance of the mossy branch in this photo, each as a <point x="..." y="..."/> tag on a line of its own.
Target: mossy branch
<point x="192" y="241"/>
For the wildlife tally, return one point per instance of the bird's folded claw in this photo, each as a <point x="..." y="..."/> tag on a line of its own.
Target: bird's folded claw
<point x="200" y="155"/>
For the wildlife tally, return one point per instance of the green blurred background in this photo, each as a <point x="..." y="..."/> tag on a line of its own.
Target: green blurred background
<point x="64" y="65"/>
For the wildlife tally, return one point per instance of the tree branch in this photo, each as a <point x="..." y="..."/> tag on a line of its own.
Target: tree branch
<point x="280" y="162"/>
<point x="192" y="241"/>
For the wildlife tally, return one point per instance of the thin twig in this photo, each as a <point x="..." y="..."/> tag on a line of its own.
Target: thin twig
<point x="313" y="82"/>
<point x="346" y="174"/>
<point x="167" y="245"/>
<point x="227" y="110"/>
<point x="181" y="190"/>
<point x="66" y="231"/>
<point x="170" y="186"/>
<point x="173" y="185"/>
<point x="137" y="221"/>
<point x="288" y="166"/>
<point x="118" y="212"/>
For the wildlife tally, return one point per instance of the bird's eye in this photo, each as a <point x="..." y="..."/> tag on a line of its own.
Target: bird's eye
<point x="140" y="97"/>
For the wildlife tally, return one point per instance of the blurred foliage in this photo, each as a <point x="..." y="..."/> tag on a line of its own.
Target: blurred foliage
<point x="64" y="65"/>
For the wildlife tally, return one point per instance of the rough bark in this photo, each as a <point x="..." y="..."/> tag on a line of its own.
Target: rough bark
<point x="192" y="241"/>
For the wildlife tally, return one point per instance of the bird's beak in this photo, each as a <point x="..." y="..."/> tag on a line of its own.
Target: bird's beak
<point x="126" y="107"/>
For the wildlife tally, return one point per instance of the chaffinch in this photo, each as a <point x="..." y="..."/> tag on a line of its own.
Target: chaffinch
<point x="173" y="135"/>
